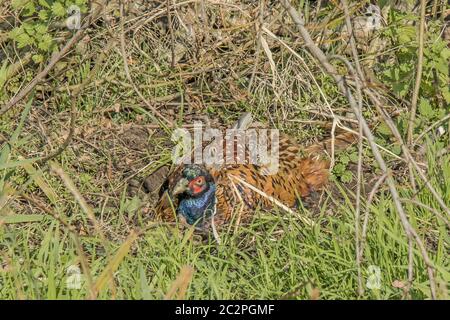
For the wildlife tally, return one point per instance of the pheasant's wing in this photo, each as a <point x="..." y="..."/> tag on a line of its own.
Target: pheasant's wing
<point x="254" y="185"/>
<point x="300" y="171"/>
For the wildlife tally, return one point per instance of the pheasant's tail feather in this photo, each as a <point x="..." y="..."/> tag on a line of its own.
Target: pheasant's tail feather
<point x="341" y="142"/>
<point x="314" y="172"/>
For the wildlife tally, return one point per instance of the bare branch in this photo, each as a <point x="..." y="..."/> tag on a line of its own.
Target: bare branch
<point x="412" y="116"/>
<point x="320" y="56"/>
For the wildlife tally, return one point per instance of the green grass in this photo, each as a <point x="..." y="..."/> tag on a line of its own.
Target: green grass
<point x="276" y="256"/>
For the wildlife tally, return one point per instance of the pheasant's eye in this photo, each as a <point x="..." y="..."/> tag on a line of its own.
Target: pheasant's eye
<point x="197" y="185"/>
<point x="200" y="181"/>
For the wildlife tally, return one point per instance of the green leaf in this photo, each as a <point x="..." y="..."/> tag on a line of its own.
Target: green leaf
<point x="353" y="156"/>
<point x="445" y="53"/>
<point x="38" y="58"/>
<point x="29" y="28"/>
<point x="23" y="117"/>
<point x="339" y="168"/>
<point x="401" y="88"/>
<point x="402" y="123"/>
<point x="425" y="108"/>
<point x="16" y="164"/>
<point x="43" y="15"/>
<point x="406" y="34"/>
<point x="40" y="181"/>
<point x="45" y="42"/>
<point x="15" y="33"/>
<point x="18" y="4"/>
<point x="383" y="129"/>
<point x="84" y="8"/>
<point x="346" y="177"/>
<point x="446" y="94"/>
<point x="344" y="159"/>
<point x="442" y="65"/>
<point x="396" y="149"/>
<point x="21" y="218"/>
<point x="58" y="9"/>
<point x="3" y="73"/>
<point x="44" y="4"/>
<point x="41" y="28"/>
<point x="29" y="9"/>
<point x="132" y="205"/>
<point x="24" y="40"/>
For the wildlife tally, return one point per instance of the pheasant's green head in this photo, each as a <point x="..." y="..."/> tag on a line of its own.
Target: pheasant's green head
<point x="196" y="190"/>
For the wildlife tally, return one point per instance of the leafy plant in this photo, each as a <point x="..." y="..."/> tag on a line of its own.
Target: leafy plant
<point x="340" y="169"/>
<point x="434" y="89"/>
<point x="35" y="32"/>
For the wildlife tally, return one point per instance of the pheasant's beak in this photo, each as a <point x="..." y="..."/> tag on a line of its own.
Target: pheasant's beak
<point x="181" y="186"/>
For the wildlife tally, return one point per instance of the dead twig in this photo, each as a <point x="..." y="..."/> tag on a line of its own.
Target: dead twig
<point x="359" y="80"/>
<point x="172" y="37"/>
<point x="412" y="116"/>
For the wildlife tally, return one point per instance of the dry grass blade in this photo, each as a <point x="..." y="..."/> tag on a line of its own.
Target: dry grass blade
<point x="80" y="199"/>
<point x="267" y="51"/>
<point x="179" y="287"/>
<point x="114" y="263"/>
<point x="42" y="184"/>
<point x="273" y="200"/>
<point x="5" y="195"/>
<point x="241" y="205"/>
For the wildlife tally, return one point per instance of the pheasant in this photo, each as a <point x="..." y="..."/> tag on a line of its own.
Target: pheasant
<point x="200" y="194"/>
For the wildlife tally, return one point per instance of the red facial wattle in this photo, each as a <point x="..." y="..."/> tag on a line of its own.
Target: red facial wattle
<point x="197" y="185"/>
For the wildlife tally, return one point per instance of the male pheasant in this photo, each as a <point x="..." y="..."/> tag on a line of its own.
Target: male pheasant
<point x="199" y="193"/>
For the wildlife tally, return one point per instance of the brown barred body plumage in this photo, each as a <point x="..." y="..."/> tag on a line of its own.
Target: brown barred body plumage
<point x="301" y="171"/>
